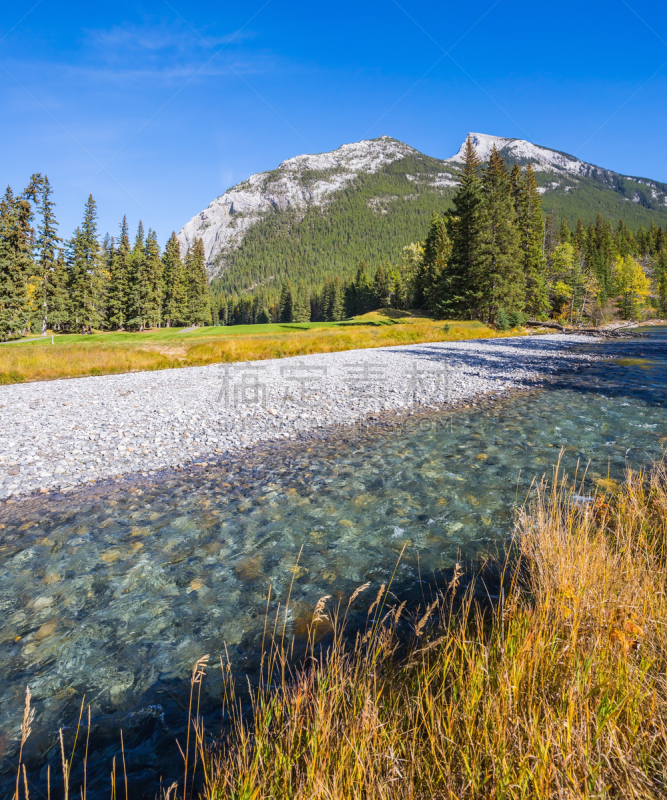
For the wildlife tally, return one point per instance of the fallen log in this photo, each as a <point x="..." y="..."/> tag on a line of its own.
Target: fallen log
<point x="554" y="325"/>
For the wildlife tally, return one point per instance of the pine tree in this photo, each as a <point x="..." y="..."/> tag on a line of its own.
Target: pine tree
<point x="564" y="234"/>
<point x="362" y="294"/>
<point x="120" y="274"/>
<point x="48" y="294"/>
<point x="516" y="184"/>
<point x="382" y="287"/>
<point x="531" y="231"/>
<point x="175" y="286"/>
<point x="16" y="241"/>
<point x="199" y="301"/>
<point x="460" y="285"/>
<point x="86" y="276"/>
<point x="429" y="280"/>
<point x="133" y="315"/>
<point x="501" y="283"/>
<point x="286" y="302"/>
<point x="150" y="284"/>
<point x="301" y="307"/>
<point x="661" y="280"/>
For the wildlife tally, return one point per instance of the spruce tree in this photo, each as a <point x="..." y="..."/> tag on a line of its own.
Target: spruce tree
<point x="460" y="286"/>
<point x="382" y="287"/>
<point x="286" y="302"/>
<point x="301" y="307"/>
<point x="175" y="285"/>
<point x="501" y="283"/>
<point x="133" y="313"/>
<point x="16" y="241"/>
<point x="661" y="280"/>
<point x="86" y="274"/>
<point x="362" y="293"/>
<point x="429" y="279"/>
<point x="199" y="301"/>
<point x="48" y="294"/>
<point x="564" y="234"/>
<point x="120" y="274"/>
<point x="531" y="228"/>
<point x="150" y="284"/>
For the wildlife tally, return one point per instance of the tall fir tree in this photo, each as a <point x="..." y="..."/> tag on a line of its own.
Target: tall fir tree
<point x="460" y="285"/>
<point x="199" y="301"/>
<point x="120" y="274"/>
<point x="382" y="286"/>
<point x="49" y="293"/>
<point x="429" y="279"/>
<point x="86" y="276"/>
<point x="531" y="231"/>
<point x="286" y="302"/>
<point x="133" y="314"/>
<point x="661" y="280"/>
<point x="16" y="242"/>
<point x="501" y="283"/>
<point x="301" y="306"/>
<point x="150" y="287"/>
<point x="176" y="286"/>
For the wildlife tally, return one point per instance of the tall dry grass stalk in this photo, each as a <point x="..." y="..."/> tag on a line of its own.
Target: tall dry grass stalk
<point x="557" y="692"/>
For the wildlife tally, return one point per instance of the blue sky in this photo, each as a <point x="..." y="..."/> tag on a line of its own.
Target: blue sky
<point x="158" y="107"/>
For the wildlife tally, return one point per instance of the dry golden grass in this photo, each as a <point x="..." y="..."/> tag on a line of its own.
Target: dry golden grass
<point x="20" y="363"/>
<point x="558" y="692"/>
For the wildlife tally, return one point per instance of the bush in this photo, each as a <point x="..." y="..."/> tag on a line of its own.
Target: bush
<point x="11" y="377"/>
<point x="516" y="319"/>
<point x="502" y="321"/>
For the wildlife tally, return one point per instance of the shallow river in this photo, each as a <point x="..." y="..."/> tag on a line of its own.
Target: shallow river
<point x="116" y="592"/>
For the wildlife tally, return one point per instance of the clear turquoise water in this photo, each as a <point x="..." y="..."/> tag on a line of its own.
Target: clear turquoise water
<point x="116" y="593"/>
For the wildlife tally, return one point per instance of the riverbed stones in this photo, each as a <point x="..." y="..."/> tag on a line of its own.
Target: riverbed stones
<point x="55" y="435"/>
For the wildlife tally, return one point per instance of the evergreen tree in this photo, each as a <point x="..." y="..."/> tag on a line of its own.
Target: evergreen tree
<point x="199" y="301"/>
<point x="150" y="284"/>
<point x="564" y="234"/>
<point x="301" y="306"/>
<point x="382" y="287"/>
<point x="501" y="282"/>
<point x="531" y="231"/>
<point x="661" y="280"/>
<point x="120" y="274"/>
<point x="133" y="314"/>
<point x="429" y="275"/>
<point x="59" y="309"/>
<point x="363" y="290"/>
<point x="86" y="275"/>
<point x="286" y="302"/>
<point x="49" y="297"/>
<point x="460" y="285"/>
<point x="175" y="286"/>
<point x="16" y="241"/>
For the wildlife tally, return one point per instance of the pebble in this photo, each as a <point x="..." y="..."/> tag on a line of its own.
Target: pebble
<point x="55" y="435"/>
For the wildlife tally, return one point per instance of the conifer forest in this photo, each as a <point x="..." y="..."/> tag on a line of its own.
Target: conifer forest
<point x="496" y="255"/>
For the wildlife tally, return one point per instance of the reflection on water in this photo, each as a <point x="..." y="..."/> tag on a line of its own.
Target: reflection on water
<point x="117" y="594"/>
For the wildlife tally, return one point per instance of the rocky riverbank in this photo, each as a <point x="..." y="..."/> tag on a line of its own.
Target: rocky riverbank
<point x="59" y="434"/>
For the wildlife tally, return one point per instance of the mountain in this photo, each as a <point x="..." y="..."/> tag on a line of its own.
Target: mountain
<point x="317" y="215"/>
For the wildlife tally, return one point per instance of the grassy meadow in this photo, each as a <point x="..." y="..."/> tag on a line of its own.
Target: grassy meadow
<point x="75" y="356"/>
<point x="551" y="687"/>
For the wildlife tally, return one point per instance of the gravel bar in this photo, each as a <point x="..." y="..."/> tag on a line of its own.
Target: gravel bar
<point x="55" y="435"/>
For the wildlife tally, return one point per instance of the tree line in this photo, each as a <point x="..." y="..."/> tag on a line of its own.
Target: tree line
<point x="84" y="284"/>
<point x="495" y="257"/>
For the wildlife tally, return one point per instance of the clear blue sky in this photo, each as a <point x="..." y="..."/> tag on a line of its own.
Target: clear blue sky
<point x="158" y="107"/>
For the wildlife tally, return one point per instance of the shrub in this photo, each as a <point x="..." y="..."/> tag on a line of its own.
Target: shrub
<point x="502" y="320"/>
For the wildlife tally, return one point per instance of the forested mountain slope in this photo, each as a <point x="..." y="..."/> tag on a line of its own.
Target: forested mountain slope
<point x="317" y="215"/>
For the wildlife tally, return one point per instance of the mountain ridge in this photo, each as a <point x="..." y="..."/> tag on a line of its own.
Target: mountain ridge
<point x="268" y="224"/>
